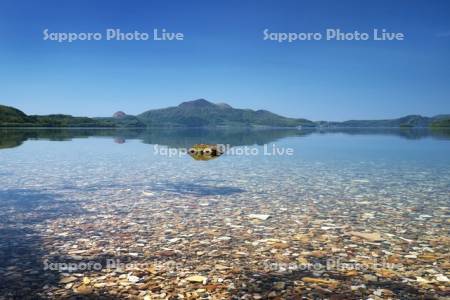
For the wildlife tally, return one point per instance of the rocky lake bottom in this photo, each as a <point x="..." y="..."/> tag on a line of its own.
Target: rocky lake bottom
<point x="102" y="216"/>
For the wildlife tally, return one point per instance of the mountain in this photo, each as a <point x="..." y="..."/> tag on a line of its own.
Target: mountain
<point x="201" y="112"/>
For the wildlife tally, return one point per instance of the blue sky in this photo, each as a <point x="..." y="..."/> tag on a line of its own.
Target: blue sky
<point x="224" y="58"/>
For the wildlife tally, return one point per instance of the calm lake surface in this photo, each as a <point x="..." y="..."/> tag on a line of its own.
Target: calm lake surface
<point x="97" y="194"/>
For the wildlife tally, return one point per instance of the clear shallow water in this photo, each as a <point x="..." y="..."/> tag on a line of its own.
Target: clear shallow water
<point x="56" y="184"/>
<point x="93" y="163"/>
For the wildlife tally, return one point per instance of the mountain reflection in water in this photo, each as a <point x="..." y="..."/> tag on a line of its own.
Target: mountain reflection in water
<point x="186" y="137"/>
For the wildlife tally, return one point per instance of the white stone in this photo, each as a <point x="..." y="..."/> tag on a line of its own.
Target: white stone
<point x="442" y="278"/>
<point x="132" y="278"/>
<point x="259" y="217"/>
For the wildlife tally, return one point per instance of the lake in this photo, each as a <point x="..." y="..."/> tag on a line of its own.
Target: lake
<point x="127" y="213"/>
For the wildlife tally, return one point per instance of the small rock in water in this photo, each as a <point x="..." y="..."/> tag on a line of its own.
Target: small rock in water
<point x="196" y="278"/>
<point x="174" y="240"/>
<point x="370" y="277"/>
<point x="259" y="217"/>
<point x="422" y="280"/>
<point x="220" y="267"/>
<point x="320" y="281"/>
<point x="280" y="285"/>
<point x="442" y="278"/>
<point x="132" y="278"/>
<point x="372" y="237"/>
<point x="68" y="279"/>
<point x="425" y="216"/>
<point x="68" y="286"/>
<point x="83" y="290"/>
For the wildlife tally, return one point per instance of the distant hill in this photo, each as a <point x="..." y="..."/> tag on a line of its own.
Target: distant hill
<point x="121" y="119"/>
<point x="201" y="112"/>
<point x="12" y="117"/>
<point x="440" y="121"/>
<point x="119" y="114"/>
<point x="411" y="121"/>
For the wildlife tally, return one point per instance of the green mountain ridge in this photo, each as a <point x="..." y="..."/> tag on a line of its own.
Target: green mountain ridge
<point x="411" y="121"/>
<point x="12" y="117"/>
<point x="202" y="113"/>
<point x="199" y="113"/>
